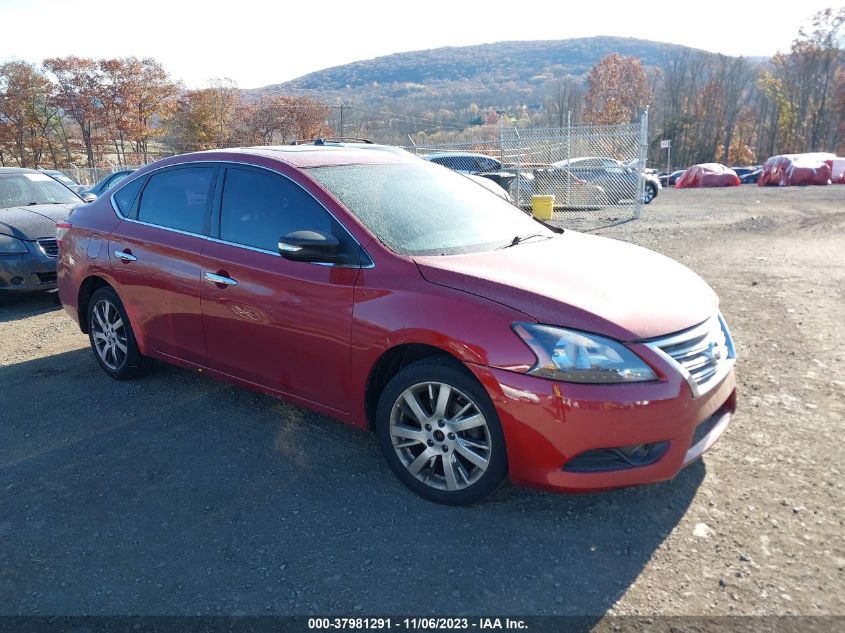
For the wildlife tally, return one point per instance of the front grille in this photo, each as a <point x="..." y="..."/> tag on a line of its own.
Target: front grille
<point x="46" y="278"/>
<point x="704" y="354"/>
<point x="49" y="247"/>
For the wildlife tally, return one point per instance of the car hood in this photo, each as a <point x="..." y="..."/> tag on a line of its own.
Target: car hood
<point x="32" y="223"/>
<point x="583" y="282"/>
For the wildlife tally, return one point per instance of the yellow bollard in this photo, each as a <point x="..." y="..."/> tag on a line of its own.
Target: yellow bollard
<point x="543" y="207"/>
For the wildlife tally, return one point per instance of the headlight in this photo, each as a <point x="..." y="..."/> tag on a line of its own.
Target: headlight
<point x="9" y="244"/>
<point x="580" y="357"/>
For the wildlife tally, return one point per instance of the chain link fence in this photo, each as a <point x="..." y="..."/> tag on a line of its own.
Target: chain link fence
<point x="90" y="176"/>
<point x="596" y="173"/>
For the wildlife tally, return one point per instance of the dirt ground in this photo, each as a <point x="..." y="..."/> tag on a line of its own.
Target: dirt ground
<point x="180" y="495"/>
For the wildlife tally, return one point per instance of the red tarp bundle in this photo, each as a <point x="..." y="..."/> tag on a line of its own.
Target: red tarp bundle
<point x="708" y="175"/>
<point x="837" y="170"/>
<point x="797" y="169"/>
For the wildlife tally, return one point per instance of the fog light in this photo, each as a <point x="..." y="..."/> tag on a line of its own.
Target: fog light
<point x="17" y="281"/>
<point x="617" y="458"/>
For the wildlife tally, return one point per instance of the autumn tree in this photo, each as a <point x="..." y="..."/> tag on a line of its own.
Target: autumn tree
<point x="79" y="94"/>
<point x="566" y="102"/>
<point x="136" y="94"/>
<point x="154" y="100"/>
<point x="206" y="118"/>
<point x="280" y="119"/>
<point x="808" y="75"/>
<point x="29" y="117"/>
<point x="265" y="121"/>
<point x="617" y="89"/>
<point x="118" y="87"/>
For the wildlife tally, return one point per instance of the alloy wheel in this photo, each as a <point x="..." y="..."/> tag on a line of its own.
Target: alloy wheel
<point x="108" y="333"/>
<point x="440" y="435"/>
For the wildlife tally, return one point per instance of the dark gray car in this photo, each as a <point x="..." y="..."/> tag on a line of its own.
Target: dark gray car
<point x="30" y="205"/>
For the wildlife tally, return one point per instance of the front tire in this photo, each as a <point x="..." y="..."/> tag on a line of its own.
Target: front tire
<point x="440" y="433"/>
<point x="112" y="339"/>
<point x="650" y="192"/>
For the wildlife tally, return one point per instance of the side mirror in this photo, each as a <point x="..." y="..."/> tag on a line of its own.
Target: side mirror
<point x="88" y="196"/>
<point x="309" y="246"/>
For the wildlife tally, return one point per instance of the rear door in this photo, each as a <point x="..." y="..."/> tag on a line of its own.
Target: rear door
<point x="156" y="257"/>
<point x="276" y="323"/>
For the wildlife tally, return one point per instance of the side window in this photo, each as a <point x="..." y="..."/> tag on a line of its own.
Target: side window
<point x="177" y="198"/>
<point x="258" y="208"/>
<point x="489" y="164"/>
<point x="111" y="183"/>
<point x="124" y="198"/>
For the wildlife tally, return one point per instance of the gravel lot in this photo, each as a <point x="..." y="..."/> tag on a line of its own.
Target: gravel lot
<point x="176" y="494"/>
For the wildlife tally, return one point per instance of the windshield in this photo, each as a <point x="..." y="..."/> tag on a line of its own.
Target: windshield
<point x="57" y="175"/>
<point x="425" y="209"/>
<point x="23" y="189"/>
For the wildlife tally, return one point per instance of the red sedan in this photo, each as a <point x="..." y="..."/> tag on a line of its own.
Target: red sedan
<point x="398" y="296"/>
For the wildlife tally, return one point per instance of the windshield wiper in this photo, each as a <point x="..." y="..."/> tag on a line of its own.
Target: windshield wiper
<point x="519" y="239"/>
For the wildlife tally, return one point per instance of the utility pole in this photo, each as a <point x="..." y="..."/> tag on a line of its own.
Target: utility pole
<point x="341" y="119"/>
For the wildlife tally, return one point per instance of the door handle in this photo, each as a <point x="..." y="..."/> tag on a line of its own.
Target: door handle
<point x="220" y="279"/>
<point x="127" y="257"/>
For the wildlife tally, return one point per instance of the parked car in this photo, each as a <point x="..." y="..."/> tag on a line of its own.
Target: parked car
<point x="63" y="178"/>
<point x="490" y="186"/>
<point x="108" y="182"/>
<point x="669" y="180"/>
<point x="751" y="177"/>
<point x="465" y="162"/>
<point x="30" y="205"/>
<point x="570" y="192"/>
<point x="742" y="171"/>
<point x="619" y="181"/>
<point x="366" y="284"/>
<point x="475" y="164"/>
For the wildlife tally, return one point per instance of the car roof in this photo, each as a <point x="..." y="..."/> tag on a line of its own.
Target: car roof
<point x="457" y="155"/>
<point x="17" y="170"/>
<point x="320" y="155"/>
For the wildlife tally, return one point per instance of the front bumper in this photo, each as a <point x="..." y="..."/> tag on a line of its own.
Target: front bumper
<point x="548" y="424"/>
<point x="27" y="272"/>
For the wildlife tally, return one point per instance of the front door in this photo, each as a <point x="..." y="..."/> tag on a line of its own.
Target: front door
<point x="276" y="323"/>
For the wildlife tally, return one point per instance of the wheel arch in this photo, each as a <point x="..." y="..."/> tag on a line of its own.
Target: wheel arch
<point x="394" y="360"/>
<point x="87" y="288"/>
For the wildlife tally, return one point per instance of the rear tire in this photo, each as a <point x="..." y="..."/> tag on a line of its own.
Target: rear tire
<point x="440" y="433"/>
<point x="112" y="339"/>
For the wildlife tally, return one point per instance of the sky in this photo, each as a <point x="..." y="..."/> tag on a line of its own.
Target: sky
<point x="257" y="43"/>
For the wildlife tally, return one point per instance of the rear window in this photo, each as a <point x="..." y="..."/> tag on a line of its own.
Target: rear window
<point x="125" y="197"/>
<point x="178" y="199"/>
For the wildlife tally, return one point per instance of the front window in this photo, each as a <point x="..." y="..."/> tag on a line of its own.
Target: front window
<point x="24" y="189"/>
<point x="421" y="209"/>
<point x="259" y="208"/>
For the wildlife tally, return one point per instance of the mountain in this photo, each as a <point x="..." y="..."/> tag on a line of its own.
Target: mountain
<point x="499" y="61"/>
<point x="528" y="62"/>
<point x="458" y="84"/>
